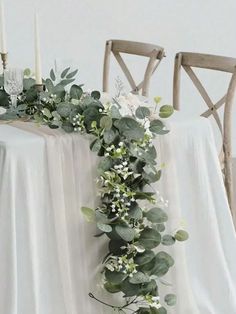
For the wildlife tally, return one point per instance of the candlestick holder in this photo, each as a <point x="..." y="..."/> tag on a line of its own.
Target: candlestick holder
<point x="4" y="59"/>
<point x="39" y="89"/>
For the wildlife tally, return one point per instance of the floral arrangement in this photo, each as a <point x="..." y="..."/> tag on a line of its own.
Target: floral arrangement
<point x="131" y="216"/>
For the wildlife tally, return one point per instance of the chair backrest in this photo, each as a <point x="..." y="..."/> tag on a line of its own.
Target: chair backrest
<point x="187" y="61"/>
<point x="153" y="52"/>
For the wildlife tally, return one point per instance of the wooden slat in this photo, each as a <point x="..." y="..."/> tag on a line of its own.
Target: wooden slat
<point x="204" y="95"/>
<point x="125" y="70"/>
<point x="176" y="81"/>
<point x="208" y="112"/>
<point x="106" y="66"/>
<point x="136" y="48"/>
<point x="206" y="61"/>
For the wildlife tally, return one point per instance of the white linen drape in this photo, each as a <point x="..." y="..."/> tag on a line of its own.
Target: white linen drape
<point x="48" y="256"/>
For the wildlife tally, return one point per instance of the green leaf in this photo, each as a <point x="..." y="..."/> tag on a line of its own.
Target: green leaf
<point x="96" y="95"/>
<point x="66" y="82"/>
<point x="27" y="72"/>
<point x="115" y="113"/>
<point x="143" y="310"/>
<point x="72" y="74"/>
<point x="52" y="75"/>
<point x="109" y="136"/>
<point x="64" y="73"/>
<point x="146" y="257"/>
<point x="47" y="113"/>
<point x="96" y="145"/>
<point x="67" y="127"/>
<point x="115" y="277"/>
<point x="105" y="164"/>
<point x="170" y="299"/>
<point x="104" y="227"/>
<point x="166" y="111"/>
<point x="161" y="267"/>
<point x="136" y="213"/>
<point x="160" y="227"/>
<point x="106" y="122"/>
<point x="112" y="288"/>
<point x="28" y="83"/>
<point x="142" y="112"/>
<point x="181" y="235"/>
<point x="115" y="246"/>
<point x="150" y="238"/>
<point x="129" y="289"/>
<point x="64" y="109"/>
<point x="161" y="310"/>
<point x="89" y="214"/>
<point x="149" y="288"/>
<point x="156" y="215"/>
<point x="163" y="255"/>
<point x="167" y="240"/>
<point x="138" y="278"/>
<point x="130" y="128"/>
<point x="76" y="92"/>
<point x="126" y="233"/>
<point x="49" y="85"/>
<point x="157" y="127"/>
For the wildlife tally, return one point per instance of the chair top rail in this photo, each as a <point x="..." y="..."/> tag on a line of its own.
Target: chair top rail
<point x="207" y="61"/>
<point x="136" y="48"/>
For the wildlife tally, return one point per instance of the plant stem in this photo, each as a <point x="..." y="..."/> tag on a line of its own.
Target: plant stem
<point x="114" y="307"/>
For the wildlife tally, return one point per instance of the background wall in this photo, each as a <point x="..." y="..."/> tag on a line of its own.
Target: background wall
<point x="76" y="30"/>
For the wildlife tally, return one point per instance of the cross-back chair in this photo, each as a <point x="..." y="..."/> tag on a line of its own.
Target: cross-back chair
<point x="187" y="61"/>
<point x="153" y="52"/>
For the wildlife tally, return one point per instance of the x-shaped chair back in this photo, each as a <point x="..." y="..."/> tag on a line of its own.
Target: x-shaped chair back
<point x="116" y="47"/>
<point x="188" y="61"/>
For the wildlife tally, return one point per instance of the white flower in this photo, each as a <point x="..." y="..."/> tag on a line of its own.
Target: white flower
<point x="2" y="110"/>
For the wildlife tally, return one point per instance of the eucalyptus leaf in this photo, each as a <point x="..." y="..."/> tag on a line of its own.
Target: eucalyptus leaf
<point x="138" y="278"/>
<point x="72" y="74"/>
<point x="64" y="73"/>
<point x="115" y="277"/>
<point x="96" y="145"/>
<point x="166" y="111"/>
<point x="89" y="214"/>
<point x="106" y="122"/>
<point x="129" y="289"/>
<point x="181" y="235"/>
<point x="156" y="215"/>
<point x="52" y="75"/>
<point x="170" y="299"/>
<point x="130" y="128"/>
<point x="109" y="136"/>
<point x="157" y="127"/>
<point x="150" y="238"/>
<point x="76" y="92"/>
<point x="125" y="232"/>
<point x="146" y="257"/>
<point x="142" y="112"/>
<point x="67" y="127"/>
<point x="168" y="239"/>
<point x="96" y="95"/>
<point x="104" y="227"/>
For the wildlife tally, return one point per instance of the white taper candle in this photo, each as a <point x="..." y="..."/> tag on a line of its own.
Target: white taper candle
<point x="38" y="69"/>
<point x="3" y="45"/>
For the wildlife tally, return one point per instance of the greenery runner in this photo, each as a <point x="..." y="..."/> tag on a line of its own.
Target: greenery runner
<point x="130" y="216"/>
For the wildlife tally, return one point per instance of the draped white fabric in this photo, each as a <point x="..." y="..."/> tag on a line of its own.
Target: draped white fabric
<point x="48" y="255"/>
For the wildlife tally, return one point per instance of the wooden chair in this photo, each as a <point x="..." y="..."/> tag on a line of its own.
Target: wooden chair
<point x="153" y="52"/>
<point x="188" y="60"/>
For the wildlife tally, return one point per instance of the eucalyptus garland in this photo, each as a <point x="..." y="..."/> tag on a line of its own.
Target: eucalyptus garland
<point x="131" y="215"/>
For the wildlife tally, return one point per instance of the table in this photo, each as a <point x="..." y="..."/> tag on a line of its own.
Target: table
<point x="49" y="258"/>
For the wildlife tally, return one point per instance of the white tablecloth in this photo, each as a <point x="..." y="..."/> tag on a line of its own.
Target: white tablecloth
<point x="48" y="256"/>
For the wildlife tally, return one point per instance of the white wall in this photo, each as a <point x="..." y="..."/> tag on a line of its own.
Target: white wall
<point x="77" y="29"/>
